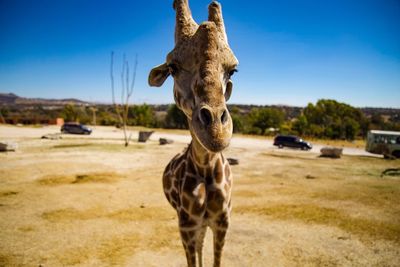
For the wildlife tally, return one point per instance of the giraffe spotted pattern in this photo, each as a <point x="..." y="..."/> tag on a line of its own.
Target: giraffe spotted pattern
<point x="197" y="182"/>
<point x="201" y="195"/>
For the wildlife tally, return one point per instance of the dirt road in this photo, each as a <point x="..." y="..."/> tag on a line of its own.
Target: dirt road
<point x="111" y="133"/>
<point x="89" y="201"/>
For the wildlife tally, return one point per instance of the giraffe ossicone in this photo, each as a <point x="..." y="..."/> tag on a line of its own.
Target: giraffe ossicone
<point x="197" y="182"/>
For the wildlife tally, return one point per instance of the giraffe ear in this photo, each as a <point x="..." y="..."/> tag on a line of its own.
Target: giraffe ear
<point x="158" y="75"/>
<point x="228" y="90"/>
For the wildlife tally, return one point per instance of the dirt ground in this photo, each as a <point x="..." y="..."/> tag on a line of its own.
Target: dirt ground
<point x="89" y="201"/>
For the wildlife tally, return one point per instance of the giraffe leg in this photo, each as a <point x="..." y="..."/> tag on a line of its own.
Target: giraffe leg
<point x="219" y="241"/>
<point x="219" y="228"/>
<point x="189" y="244"/>
<point x="199" y="244"/>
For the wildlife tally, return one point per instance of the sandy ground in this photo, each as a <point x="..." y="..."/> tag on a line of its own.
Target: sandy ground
<point x="111" y="133"/>
<point x="88" y="201"/>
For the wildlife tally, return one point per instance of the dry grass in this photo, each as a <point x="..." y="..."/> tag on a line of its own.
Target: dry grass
<point x="367" y="229"/>
<point x="339" y="143"/>
<point x="115" y="250"/>
<point x="74" y="145"/>
<point x="112" y="251"/>
<point x="300" y="257"/>
<point x="101" y="177"/>
<point x="374" y="193"/>
<point x="310" y="190"/>
<point x="8" y="193"/>
<point x="5" y="260"/>
<point x="140" y="213"/>
<point x="89" y="202"/>
<point x="131" y="214"/>
<point x="114" y="147"/>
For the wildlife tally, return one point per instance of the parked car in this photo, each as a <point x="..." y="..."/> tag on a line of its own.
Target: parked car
<point x="291" y="141"/>
<point x="75" y="128"/>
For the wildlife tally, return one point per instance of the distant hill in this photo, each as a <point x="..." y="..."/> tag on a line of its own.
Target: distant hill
<point x="13" y="99"/>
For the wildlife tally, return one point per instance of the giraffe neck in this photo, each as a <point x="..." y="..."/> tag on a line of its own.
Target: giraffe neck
<point x="202" y="157"/>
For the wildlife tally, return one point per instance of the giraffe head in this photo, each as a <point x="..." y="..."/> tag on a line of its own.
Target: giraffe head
<point x="201" y="65"/>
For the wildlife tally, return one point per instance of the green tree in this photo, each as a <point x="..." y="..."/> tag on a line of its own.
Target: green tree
<point x="70" y="113"/>
<point x="175" y="118"/>
<point x="141" y="115"/>
<point x="3" y="114"/>
<point x="334" y="120"/>
<point x="237" y="120"/>
<point x="351" y="128"/>
<point x="106" y="117"/>
<point x="300" y="126"/>
<point x="264" y="118"/>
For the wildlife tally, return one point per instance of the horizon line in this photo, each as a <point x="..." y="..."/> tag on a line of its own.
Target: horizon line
<point x="171" y="103"/>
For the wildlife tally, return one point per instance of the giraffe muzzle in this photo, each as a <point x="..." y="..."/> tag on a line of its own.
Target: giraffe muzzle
<point x="212" y="127"/>
<point x="207" y="117"/>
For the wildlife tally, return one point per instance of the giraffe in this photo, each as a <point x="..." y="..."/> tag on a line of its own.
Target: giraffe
<point x="197" y="182"/>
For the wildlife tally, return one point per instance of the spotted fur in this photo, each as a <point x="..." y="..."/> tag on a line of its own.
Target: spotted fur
<point x="197" y="183"/>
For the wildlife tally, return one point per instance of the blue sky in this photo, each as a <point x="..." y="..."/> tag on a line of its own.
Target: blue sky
<point x="290" y="52"/>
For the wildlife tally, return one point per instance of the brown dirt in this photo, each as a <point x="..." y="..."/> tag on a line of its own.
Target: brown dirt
<point x="89" y="201"/>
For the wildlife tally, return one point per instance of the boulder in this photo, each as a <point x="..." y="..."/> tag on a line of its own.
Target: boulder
<point x="331" y="152"/>
<point x="54" y="136"/>
<point x="391" y="172"/>
<point x="165" y="141"/>
<point x="233" y="161"/>
<point x="8" y="146"/>
<point x="144" y="136"/>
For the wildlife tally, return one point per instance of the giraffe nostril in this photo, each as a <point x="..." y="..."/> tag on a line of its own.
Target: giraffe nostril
<point x="205" y="116"/>
<point x="224" y="117"/>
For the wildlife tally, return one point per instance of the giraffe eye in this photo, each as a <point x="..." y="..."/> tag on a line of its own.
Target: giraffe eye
<point x="231" y="72"/>
<point x="173" y="69"/>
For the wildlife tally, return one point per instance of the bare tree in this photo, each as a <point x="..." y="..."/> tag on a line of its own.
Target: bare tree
<point x="127" y="85"/>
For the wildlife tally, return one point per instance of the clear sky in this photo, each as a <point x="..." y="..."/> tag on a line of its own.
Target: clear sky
<point x="290" y="52"/>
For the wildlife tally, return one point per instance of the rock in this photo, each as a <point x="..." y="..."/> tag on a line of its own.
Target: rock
<point x="54" y="136"/>
<point x="144" y="136"/>
<point x="233" y="161"/>
<point x="391" y="172"/>
<point x="165" y="141"/>
<point x="8" y="146"/>
<point x="331" y="152"/>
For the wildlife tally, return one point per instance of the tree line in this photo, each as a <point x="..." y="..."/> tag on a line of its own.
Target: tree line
<point x="327" y="119"/>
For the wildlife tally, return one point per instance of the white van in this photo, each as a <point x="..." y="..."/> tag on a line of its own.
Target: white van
<point x="386" y="143"/>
